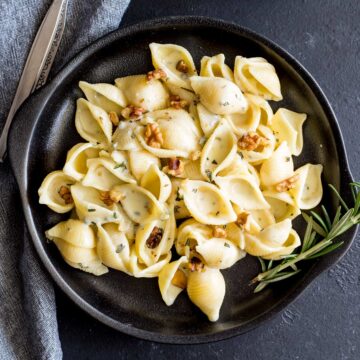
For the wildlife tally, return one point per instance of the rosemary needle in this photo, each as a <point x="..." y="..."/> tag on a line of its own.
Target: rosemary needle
<point x="319" y="239"/>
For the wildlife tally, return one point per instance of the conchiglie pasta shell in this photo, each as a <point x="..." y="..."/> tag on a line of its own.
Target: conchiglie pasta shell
<point x="157" y="182"/>
<point x="206" y="203"/>
<point x="219" y="95"/>
<point x="141" y="270"/>
<point x="90" y="207"/>
<point x="242" y="191"/>
<point x="219" y="151"/>
<point x="140" y="161"/>
<point x="76" y="159"/>
<point x="278" y="167"/>
<point x="308" y="189"/>
<point x="257" y="156"/>
<point x="287" y="126"/>
<point x="258" y="77"/>
<point x="170" y="292"/>
<point x="124" y="137"/>
<point x="208" y="120"/>
<point x="93" y="123"/>
<point x="282" y="204"/>
<point x="235" y="234"/>
<point x="49" y="191"/>
<point x="219" y="253"/>
<point x="140" y="204"/>
<point x="113" y="247"/>
<point x="106" y="96"/>
<point x="206" y="290"/>
<point x="74" y="232"/>
<point x="166" y="57"/>
<point x="215" y="67"/>
<point x="138" y="91"/>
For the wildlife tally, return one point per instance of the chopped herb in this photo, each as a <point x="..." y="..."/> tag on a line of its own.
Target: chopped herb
<point x="225" y="103"/>
<point x="176" y="208"/>
<point x="119" y="248"/>
<point x="91" y="210"/>
<point x="218" y="138"/>
<point x="132" y="136"/>
<point x="166" y="185"/>
<point x="194" y="191"/>
<point x="137" y="213"/>
<point x="82" y="267"/>
<point x="115" y="215"/>
<point x="241" y="154"/>
<point x="120" y="165"/>
<point x="226" y="245"/>
<point x="287" y="159"/>
<point x="94" y="223"/>
<point x="214" y="162"/>
<point x="69" y="184"/>
<point x="217" y="213"/>
<point x="190" y="91"/>
<point x="224" y="226"/>
<point x="209" y="174"/>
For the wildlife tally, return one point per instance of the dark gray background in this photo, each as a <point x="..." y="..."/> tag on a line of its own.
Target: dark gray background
<point x="325" y="322"/>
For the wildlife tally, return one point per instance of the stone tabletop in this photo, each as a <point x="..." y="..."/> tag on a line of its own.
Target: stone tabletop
<point x="324" y="323"/>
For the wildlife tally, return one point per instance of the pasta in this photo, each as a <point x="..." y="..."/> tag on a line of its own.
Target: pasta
<point x="181" y="175"/>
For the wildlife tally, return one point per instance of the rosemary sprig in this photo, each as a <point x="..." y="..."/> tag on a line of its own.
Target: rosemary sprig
<point x="319" y="239"/>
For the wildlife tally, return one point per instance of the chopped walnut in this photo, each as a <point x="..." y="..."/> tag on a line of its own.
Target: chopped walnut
<point x="287" y="184"/>
<point x="195" y="155"/>
<point x="132" y="112"/>
<point x="114" y="118"/>
<point x="195" y="264"/>
<point x="175" y="167"/>
<point x="115" y="196"/>
<point x="153" y="135"/>
<point x="242" y="219"/>
<point x="179" y="280"/>
<point x="182" y="67"/>
<point x="252" y="141"/>
<point x="105" y="198"/>
<point x="156" y="75"/>
<point x="219" y="232"/>
<point x="154" y="238"/>
<point x="65" y="194"/>
<point x="177" y="103"/>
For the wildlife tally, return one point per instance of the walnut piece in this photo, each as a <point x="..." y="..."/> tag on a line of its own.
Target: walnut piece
<point x="195" y="155"/>
<point x="156" y="75"/>
<point x="179" y="280"/>
<point x="175" y="167"/>
<point x="182" y="67"/>
<point x="132" y="112"/>
<point x="65" y="194"/>
<point x="287" y="184"/>
<point x="153" y="136"/>
<point x="115" y="196"/>
<point x="219" y="232"/>
<point x="252" y="141"/>
<point x="154" y="238"/>
<point x="195" y="264"/>
<point x="114" y="118"/>
<point x="177" y="103"/>
<point x="243" y="219"/>
<point x="105" y="198"/>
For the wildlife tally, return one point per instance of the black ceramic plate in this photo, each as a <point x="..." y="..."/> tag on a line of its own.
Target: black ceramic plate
<point x="44" y="130"/>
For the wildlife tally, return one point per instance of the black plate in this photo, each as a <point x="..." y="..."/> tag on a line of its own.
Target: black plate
<point x="44" y="130"/>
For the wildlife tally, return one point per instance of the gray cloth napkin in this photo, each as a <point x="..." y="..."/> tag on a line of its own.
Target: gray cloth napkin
<point x="28" y="324"/>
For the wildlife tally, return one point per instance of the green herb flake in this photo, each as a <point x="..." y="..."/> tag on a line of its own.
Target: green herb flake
<point x="91" y="210"/>
<point x="226" y="245"/>
<point x="179" y="197"/>
<point x="214" y="162"/>
<point x="115" y="215"/>
<point x="119" y="248"/>
<point x="120" y="165"/>
<point x="209" y="174"/>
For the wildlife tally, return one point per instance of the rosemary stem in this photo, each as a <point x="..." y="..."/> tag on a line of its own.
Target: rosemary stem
<point x="289" y="263"/>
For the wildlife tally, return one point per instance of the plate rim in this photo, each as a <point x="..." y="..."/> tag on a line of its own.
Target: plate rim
<point x="42" y="96"/>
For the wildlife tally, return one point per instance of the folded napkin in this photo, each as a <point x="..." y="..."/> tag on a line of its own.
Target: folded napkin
<point x="28" y="324"/>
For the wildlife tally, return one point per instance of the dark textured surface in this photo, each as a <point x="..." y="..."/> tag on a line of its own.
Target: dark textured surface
<point x="325" y="322"/>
